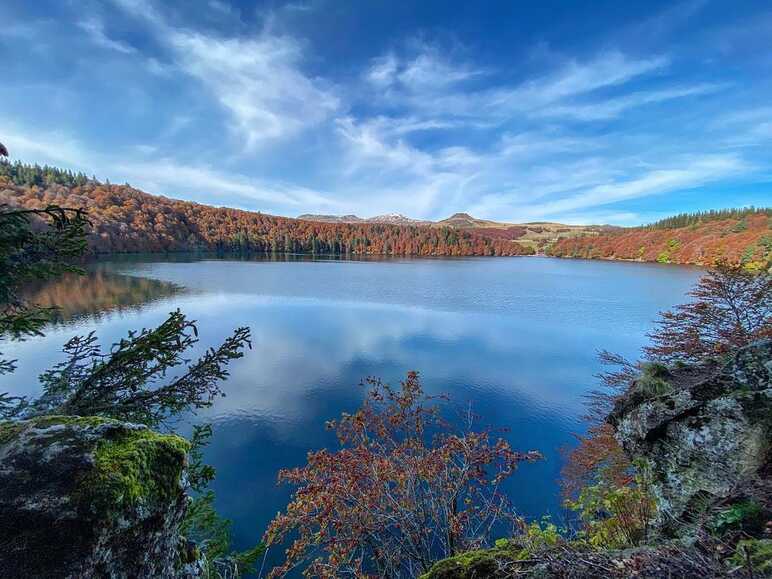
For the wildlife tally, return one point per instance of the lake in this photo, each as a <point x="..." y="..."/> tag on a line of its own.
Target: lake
<point x="515" y="337"/>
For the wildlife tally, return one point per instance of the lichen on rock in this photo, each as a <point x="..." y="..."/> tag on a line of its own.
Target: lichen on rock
<point x="705" y="436"/>
<point x="91" y="497"/>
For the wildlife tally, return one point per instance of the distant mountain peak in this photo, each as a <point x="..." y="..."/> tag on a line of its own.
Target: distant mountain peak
<point x="388" y="218"/>
<point x="464" y="220"/>
<point x="331" y="218"/>
<point x="396" y="219"/>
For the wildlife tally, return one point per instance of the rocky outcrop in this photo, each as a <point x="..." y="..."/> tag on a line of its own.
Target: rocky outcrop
<point x="91" y="497"/>
<point x="704" y="433"/>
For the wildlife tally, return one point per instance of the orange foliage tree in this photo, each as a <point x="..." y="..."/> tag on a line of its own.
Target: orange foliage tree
<point x="403" y="490"/>
<point x="731" y="308"/>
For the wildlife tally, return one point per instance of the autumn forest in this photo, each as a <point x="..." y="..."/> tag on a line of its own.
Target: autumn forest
<point x="126" y="220"/>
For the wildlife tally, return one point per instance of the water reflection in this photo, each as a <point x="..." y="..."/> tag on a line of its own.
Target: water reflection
<point x="92" y="295"/>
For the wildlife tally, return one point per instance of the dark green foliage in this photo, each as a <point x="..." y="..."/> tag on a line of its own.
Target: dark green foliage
<point x="745" y="515"/>
<point x="200" y="474"/>
<point x="27" y="254"/>
<point x="212" y="534"/>
<point x="688" y="219"/>
<point x="29" y="175"/>
<point x="128" y="383"/>
<point x="754" y="555"/>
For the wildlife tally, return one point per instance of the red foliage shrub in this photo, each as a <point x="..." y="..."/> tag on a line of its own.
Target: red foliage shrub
<point x="403" y="490"/>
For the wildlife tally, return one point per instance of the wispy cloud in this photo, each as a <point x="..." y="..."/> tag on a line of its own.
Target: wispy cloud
<point x="614" y="107"/>
<point x="175" y="178"/>
<point x="259" y="81"/>
<point x="686" y="174"/>
<point x="750" y="127"/>
<point x="431" y="84"/>
<point x="95" y="29"/>
<point x="53" y="147"/>
<point x="427" y="71"/>
<point x="575" y="78"/>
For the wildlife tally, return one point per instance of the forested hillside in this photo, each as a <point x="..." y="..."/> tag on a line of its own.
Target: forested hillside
<point x="736" y="236"/>
<point x="125" y="219"/>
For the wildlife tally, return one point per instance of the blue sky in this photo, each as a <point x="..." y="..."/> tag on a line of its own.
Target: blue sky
<point x="583" y="112"/>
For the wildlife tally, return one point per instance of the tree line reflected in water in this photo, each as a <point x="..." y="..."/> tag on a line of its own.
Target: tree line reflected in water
<point x="97" y="293"/>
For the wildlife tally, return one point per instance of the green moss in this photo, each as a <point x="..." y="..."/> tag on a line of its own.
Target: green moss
<point x="758" y="552"/>
<point x="131" y="465"/>
<point x="653" y="381"/>
<point x="9" y="430"/>
<point x="135" y="466"/>
<point x="481" y="563"/>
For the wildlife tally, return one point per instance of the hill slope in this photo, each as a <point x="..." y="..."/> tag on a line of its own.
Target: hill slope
<point x="536" y="236"/>
<point x="736" y="236"/>
<point x="533" y="237"/>
<point x="128" y="220"/>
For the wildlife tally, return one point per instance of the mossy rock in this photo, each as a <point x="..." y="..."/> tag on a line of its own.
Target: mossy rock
<point x="89" y="497"/>
<point x="493" y="562"/>
<point x="133" y="467"/>
<point x="9" y="430"/>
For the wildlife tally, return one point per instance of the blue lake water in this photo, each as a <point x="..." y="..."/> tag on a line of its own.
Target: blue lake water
<point x="515" y="337"/>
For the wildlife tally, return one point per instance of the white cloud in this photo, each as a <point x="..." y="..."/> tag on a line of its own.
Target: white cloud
<point x="425" y="72"/>
<point x="174" y="178"/>
<point x="383" y="70"/>
<point x="45" y="147"/>
<point x="259" y="81"/>
<point x="611" y="68"/>
<point x="221" y="7"/>
<point x="95" y="29"/>
<point x="574" y="79"/>
<point x="746" y="127"/>
<point x="612" y="108"/>
<point x="687" y="174"/>
<point x="430" y="84"/>
<point x="373" y="142"/>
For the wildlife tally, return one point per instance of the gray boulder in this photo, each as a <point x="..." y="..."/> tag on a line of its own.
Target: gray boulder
<point x="91" y="497"/>
<point x="703" y="431"/>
